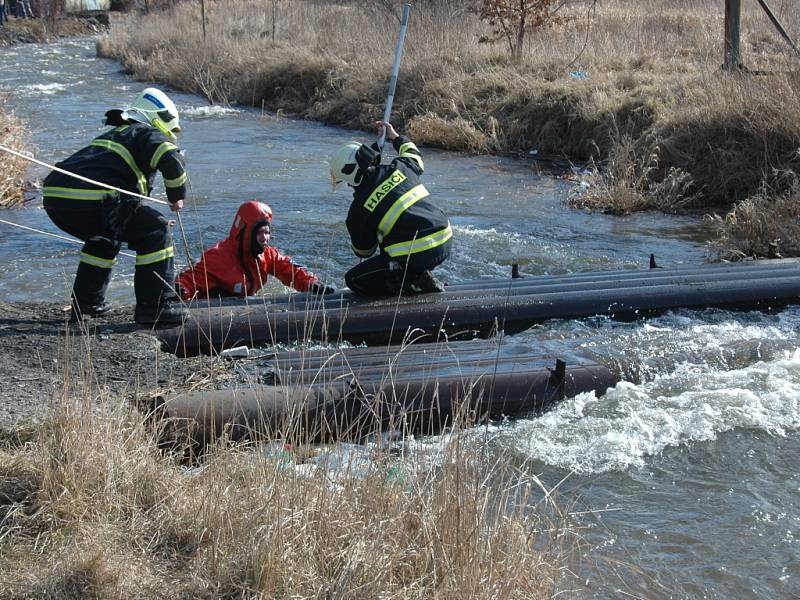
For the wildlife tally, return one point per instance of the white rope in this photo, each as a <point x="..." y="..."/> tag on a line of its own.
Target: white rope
<point x="55" y="235"/>
<point x="86" y="179"/>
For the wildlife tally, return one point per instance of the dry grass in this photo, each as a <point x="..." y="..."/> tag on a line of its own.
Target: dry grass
<point x="650" y="106"/>
<point x="12" y="168"/>
<point x="91" y="508"/>
<point x="761" y="226"/>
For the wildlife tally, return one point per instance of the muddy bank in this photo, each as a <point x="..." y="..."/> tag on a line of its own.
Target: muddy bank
<point x="110" y="360"/>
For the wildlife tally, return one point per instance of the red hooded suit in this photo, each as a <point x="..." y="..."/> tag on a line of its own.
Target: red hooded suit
<point x="237" y="266"/>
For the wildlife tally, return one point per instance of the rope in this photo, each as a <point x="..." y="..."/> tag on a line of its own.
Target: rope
<point x="98" y="183"/>
<point x="86" y="179"/>
<point x="189" y="259"/>
<point x="55" y="235"/>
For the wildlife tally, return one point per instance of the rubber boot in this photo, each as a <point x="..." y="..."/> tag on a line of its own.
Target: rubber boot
<point x="156" y="300"/>
<point x="159" y="313"/>
<point x="89" y="291"/>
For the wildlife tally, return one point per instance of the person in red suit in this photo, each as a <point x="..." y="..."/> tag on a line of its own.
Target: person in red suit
<point x="240" y="264"/>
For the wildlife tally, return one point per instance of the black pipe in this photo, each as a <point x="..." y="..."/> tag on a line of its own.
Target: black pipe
<point x="352" y="410"/>
<point x="421" y="355"/>
<point x="473" y="318"/>
<point x="394" y="370"/>
<point x="502" y="288"/>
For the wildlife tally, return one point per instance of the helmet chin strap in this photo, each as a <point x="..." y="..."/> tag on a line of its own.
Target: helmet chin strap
<point x="159" y="124"/>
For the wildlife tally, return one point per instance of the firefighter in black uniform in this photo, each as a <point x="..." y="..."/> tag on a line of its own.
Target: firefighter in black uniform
<point x="391" y="211"/>
<point x="141" y="142"/>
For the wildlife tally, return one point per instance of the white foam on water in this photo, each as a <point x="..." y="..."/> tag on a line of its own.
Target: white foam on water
<point x="744" y="372"/>
<point x="490" y="233"/>
<point x="208" y="111"/>
<point x="631" y="422"/>
<point x="41" y="88"/>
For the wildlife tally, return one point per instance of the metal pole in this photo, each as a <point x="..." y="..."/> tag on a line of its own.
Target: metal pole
<point x="733" y="14"/>
<point x="395" y="69"/>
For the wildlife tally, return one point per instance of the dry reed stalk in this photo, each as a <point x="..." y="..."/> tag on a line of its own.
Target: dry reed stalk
<point x="91" y="508"/>
<point x="12" y="168"/>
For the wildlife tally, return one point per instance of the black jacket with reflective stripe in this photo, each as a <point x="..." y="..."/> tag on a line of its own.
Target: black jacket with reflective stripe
<point x="126" y="157"/>
<point x="376" y="210"/>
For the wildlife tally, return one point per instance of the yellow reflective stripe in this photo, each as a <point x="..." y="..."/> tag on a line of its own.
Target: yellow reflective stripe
<point x="121" y="128"/>
<point x="400" y="206"/>
<point x="420" y="244"/>
<point x="404" y="153"/>
<point x="163" y="148"/>
<point x="380" y="192"/>
<point x="154" y="257"/>
<point x="96" y="261"/>
<point x="75" y="193"/>
<point x="177" y="182"/>
<point x="365" y="253"/>
<point x="161" y="126"/>
<point x="123" y="152"/>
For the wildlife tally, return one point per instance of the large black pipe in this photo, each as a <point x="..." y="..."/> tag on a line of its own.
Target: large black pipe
<point x="509" y="287"/>
<point x="391" y="371"/>
<point x="354" y="409"/>
<point x="473" y="317"/>
<point x="423" y="356"/>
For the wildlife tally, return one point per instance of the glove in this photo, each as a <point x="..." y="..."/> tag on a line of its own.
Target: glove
<point x="321" y="288"/>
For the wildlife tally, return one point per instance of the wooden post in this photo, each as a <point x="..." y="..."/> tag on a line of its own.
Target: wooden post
<point x="203" y="15"/>
<point x="733" y="13"/>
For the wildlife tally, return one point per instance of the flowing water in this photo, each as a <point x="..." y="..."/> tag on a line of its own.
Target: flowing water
<point x="691" y="475"/>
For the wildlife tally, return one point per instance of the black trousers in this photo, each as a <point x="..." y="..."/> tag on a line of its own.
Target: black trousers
<point x="383" y="275"/>
<point x="143" y="228"/>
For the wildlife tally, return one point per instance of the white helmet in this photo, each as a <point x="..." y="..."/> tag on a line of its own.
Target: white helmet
<point x="154" y="107"/>
<point x="351" y="161"/>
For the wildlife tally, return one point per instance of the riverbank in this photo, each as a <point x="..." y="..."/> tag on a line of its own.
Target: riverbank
<point x="635" y="89"/>
<point x="43" y="357"/>
<point x="21" y="31"/>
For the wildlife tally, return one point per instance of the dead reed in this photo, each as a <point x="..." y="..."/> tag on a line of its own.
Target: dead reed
<point x="12" y="168"/>
<point x="90" y="507"/>
<point x="765" y="225"/>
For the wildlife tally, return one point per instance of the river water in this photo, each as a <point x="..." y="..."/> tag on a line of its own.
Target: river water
<point x="688" y="481"/>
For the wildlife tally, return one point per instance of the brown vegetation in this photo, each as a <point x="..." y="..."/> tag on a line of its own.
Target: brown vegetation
<point x="91" y="508"/>
<point x="12" y="168"/>
<point x="764" y="225"/>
